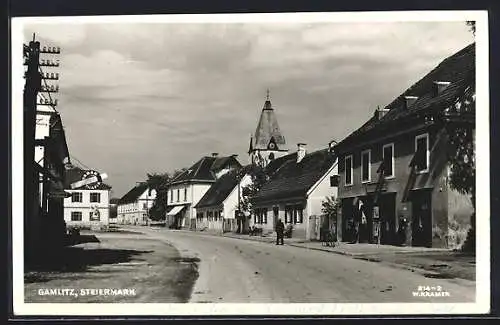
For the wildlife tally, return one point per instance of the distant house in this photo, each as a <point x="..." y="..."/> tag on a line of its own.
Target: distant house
<point x="186" y="190"/>
<point x="133" y="207"/>
<point x="394" y="169"/>
<point x="86" y="207"/>
<point x="298" y="183"/>
<point x="217" y="209"/>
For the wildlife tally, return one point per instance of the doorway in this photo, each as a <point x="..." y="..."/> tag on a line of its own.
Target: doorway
<point x="387" y="210"/>
<point x="421" y="218"/>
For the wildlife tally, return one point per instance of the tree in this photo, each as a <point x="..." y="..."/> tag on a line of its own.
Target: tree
<point x="330" y="207"/>
<point x="259" y="178"/>
<point x="472" y="25"/>
<point x="461" y="155"/>
<point x="160" y="183"/>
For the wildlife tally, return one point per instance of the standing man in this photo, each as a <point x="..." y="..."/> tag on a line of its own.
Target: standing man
<point x="280" y="229"/>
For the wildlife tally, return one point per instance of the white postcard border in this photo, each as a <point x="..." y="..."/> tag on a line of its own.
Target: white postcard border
<point x="482" y="304"/>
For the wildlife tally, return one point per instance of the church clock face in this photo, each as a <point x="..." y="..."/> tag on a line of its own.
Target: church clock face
<point x="272" y="145"/>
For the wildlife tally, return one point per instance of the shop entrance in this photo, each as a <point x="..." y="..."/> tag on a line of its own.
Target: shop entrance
<point x="387" y="210"/>
<point x="422" y="218"/>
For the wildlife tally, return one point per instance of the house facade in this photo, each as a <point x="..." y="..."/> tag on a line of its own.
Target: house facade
<point x="133" y="207"/>
<point x="187" y="188"/>
<point x="394" y="170"/>
<point x="217" y="209"/>
<point x="298" y="184"/>
<point x="87" y="207"/>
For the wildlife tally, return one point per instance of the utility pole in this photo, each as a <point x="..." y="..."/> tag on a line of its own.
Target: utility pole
<point x="33" y="86"/>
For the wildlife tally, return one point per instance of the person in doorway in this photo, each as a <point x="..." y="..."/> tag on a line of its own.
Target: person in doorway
<point x="280" y="229"/>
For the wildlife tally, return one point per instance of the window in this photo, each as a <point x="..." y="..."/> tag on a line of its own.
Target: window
<point x="298" y="214"/>
<point x="171" y="195"/>
<point x="145" y="206"/>
<point x="76" y="215"/>
<point x="185" y="194"/>
<point x="95" y="197"/>
<point x="260" y="216"/>
<point x="178" y="191"/>
<point x="366" y="165"/>
<point x="388" y="157"/>
<point x="294" y="214"/>
<point x="348" y="170"/>
<point x="422" y="153"/>
<point x="76" y="197"/>
<point x="334" y="181"/>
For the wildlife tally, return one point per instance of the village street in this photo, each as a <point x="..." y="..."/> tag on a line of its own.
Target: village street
<point x="235" y="270"/>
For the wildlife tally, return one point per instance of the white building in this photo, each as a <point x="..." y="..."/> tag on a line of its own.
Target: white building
<point x="188" y="188"/>
<point x="217" y="209"/>
<point x="87" y="207"/>
<point x="133" y="207"/>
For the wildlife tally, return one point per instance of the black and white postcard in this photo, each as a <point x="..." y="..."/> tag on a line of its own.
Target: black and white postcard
<point x="251" y="164"/>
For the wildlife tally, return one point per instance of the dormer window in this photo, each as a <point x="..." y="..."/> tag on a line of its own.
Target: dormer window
<point x="440" y="86"/>
<point x="410" y="100"/>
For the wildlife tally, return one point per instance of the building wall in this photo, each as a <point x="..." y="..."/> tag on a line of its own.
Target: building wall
<point x="299" y="229"/>
<point x="136" y="212"/>
<point x="228" y="208"/>
<point x="231" y="202"/>
<point x="86" y="207"/>
<point x="406" y="184"/>
<point x="194" y="192"/>
<point x="206" y="224"/>
<point x="321" y="191"/>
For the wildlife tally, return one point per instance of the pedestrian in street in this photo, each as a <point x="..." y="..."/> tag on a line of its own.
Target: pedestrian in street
<point x="280" y="229"/>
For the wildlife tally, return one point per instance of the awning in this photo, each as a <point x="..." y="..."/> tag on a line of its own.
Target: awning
<point x="175" y="210"/>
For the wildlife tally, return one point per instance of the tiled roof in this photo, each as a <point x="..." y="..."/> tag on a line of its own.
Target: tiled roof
<point x="220" y="190"/>
<point x="275" y="164"/>
<point x="268" y="129"/>
<point x="204" y="169"/>
<point x="458" y="69"/>
<point x="134" y="193"/>
<point x="75" y="174"/>
<point x="294" y="179"/>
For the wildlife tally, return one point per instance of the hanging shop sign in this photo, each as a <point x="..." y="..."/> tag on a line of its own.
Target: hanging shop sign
<point x="91" y="180"/>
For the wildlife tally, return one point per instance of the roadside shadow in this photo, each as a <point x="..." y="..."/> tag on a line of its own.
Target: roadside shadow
<point x="76" y="259"/>
<point x="82" y="239"/>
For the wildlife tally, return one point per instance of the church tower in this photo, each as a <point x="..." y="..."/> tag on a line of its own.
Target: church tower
<point x="268" y="142"/>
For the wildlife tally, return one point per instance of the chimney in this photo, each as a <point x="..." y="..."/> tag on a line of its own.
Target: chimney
<point x="439" y="86"/>
<point x="380" y="112"/>
<point x="215" y="154"/>
<point x="410" y="100"/>
<point x="301" y="151"/>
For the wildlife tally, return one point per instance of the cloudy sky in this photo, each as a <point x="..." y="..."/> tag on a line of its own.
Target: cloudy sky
<point x="138" y="98"/>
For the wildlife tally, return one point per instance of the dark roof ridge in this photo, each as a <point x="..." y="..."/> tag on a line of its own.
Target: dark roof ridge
<point x="414" y="85"/>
